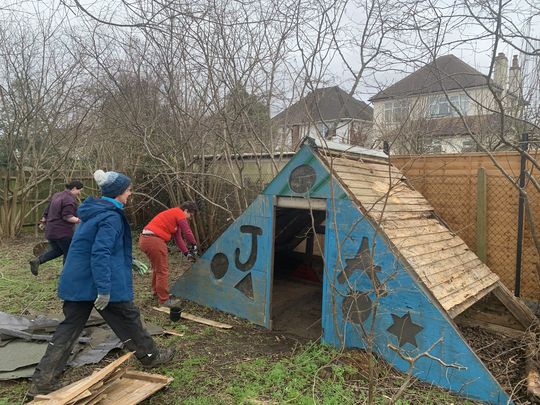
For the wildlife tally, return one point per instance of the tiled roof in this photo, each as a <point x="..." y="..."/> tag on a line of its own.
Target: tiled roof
<point x="326" y="104"/>
<point x="444" y="73"/>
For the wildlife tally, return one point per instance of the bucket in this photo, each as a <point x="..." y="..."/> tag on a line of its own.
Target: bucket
<point x="175" y="313"/>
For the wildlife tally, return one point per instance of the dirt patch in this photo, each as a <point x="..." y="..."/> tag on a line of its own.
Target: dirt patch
<point x="504" y="357"/>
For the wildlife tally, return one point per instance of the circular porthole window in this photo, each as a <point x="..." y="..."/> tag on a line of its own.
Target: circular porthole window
<point x="302" y="178"/>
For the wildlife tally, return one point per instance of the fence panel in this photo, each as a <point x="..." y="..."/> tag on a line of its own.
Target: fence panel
<point x="449" y="183"/>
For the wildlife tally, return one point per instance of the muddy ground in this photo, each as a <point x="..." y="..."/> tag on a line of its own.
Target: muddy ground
<point x="246" y="364"/>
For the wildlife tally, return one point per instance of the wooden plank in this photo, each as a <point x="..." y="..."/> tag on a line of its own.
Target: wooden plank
<point x="469" y="263"/>
<point x="194" y="318"/>
<point x="434" y="229"/>
<point x="173" y="333"/>
<point x="140" y="375"/>
<point x="416" y="223"/>
<point x="481" y="215"/>
<point x="473" y="269"/>
<point x="134" y="389"/>
<point x="97" y="399"/>
<point x="66" y="394"/>
<point x="435" y="248"/>
<point x="369" y="173"/>
<point x="434" y="258"/>
<point x="472" y="293"/>
<point x="464" y="284"/>
<point x="522" y="313"/>
<point x="503" y="330"/>
<point x="422" y="238"/>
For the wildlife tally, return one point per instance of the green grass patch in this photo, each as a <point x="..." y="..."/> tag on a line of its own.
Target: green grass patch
<point x="297" y="380"/>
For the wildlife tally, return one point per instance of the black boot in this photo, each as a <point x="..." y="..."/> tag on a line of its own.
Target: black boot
<point x="163" y="355"/>
<point x="34" y="266"/>
<point x="43" y="389"/>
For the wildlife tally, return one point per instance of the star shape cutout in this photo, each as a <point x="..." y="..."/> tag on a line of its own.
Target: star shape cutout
<point x="404" y="329"/>
<point x="361" y="262"/>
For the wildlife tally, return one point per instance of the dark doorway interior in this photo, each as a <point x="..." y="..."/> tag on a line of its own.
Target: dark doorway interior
<point x="298" y="272"/>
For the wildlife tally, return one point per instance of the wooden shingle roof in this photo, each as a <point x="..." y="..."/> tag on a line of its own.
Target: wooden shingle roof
<point x="440" y="259"/>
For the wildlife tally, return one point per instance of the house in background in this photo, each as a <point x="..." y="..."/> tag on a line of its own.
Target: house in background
<point x="419" y="114"/>
<point x="327" y="113"/>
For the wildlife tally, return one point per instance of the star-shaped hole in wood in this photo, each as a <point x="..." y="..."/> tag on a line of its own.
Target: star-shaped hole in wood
<point x="404" y="329"/>
<point x="362" y="262"/>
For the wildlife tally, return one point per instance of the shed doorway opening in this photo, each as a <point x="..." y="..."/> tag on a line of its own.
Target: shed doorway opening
<point x="297" y="289"/>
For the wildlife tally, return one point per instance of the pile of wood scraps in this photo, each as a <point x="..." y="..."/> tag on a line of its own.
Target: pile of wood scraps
<point x="113" y="384"/>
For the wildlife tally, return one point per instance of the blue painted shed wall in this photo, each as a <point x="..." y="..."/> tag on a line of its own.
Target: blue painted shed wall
<point x="325" y="185"/>
<point x="200" y="285"/>
<point x="345" y="228"/>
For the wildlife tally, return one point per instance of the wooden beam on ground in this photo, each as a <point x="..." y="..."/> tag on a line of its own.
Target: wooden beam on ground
<point x="195" y="318"/>
<point x="173" y="333"/>
<point x="522" y="313"/>
<point x="503" y="330"/>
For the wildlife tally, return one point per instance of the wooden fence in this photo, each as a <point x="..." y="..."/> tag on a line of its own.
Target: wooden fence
<point x="476" y="200"/>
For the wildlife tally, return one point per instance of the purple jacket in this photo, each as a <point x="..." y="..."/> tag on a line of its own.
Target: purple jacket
<point x="61" y="206"/>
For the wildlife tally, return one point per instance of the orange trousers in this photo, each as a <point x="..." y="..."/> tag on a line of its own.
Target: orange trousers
<point x="155" y="249"/>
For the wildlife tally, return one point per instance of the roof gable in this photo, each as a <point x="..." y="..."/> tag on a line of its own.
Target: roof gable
<point x="325" y="104"/>
<point x="443" y="74"/>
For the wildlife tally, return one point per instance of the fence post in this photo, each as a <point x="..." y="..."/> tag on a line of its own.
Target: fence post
<point x="519" y="249"/>
<point x="481" y="214"/>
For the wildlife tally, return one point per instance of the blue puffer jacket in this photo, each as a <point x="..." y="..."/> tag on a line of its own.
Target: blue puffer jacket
<point x="100" y="255"/>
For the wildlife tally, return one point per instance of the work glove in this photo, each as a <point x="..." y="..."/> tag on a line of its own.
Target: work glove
<point x="194" y="250"/>
<point x="139" y="267"/>
<point x="191" y="257"/>
<point x="102" y="301"/>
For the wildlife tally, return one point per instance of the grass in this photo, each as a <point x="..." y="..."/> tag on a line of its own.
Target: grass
<point x="244" y="365"/>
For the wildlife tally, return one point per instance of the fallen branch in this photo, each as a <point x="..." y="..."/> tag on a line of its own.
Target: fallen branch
<point x="412" y="361"/>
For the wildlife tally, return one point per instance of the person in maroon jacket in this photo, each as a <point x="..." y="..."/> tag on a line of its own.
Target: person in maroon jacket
<point x="59" y="220"/>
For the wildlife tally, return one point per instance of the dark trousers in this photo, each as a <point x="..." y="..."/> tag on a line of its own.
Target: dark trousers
<point x="57" y="248"/>
<point x="123" y="318"/>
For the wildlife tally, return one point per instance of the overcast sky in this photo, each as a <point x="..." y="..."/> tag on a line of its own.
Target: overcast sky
<point x="477" y="53"/>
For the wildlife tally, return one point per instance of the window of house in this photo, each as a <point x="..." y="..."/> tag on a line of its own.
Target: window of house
<point x="436" y="146"/>
<point x="432" y="145"/>
<point x="468" y="145"/>
<point x="396" y="111"/>
<point x="440" y="107"/>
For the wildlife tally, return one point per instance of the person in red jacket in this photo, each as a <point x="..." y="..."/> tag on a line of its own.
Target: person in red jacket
<point x="171" y="223"/>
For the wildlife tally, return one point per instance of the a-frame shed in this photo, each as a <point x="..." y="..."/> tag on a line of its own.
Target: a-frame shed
<point x="393" y="271"/>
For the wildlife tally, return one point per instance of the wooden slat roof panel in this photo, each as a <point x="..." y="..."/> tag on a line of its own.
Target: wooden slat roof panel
<point x="440" y="258"/>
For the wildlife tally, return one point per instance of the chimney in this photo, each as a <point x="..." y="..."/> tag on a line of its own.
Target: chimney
<point x="500" y="68"/>
<point x="515" y="79"/>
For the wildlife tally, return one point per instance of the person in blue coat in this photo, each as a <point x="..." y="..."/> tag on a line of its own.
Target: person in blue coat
<point x="97" y="273"/>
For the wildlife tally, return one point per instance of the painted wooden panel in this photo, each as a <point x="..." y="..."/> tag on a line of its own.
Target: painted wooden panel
<point x="305" y="176"/>
<point x="234" y="274"/>
<point x="404" y="320"/>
